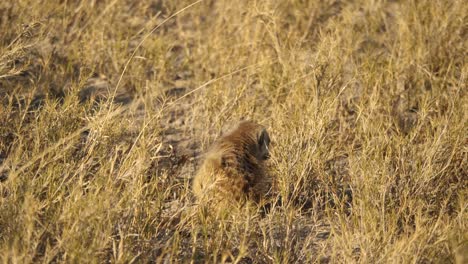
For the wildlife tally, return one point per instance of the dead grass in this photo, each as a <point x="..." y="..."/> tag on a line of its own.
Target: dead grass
<point x="106" y="107"/>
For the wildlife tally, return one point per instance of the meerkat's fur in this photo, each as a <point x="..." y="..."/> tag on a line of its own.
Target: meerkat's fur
<point x="233" y="169"/>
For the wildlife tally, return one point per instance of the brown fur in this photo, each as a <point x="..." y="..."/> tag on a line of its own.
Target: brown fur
<point x="233" y="170"/>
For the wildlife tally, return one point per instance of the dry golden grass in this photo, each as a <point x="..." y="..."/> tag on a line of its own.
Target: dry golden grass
<point x="106" y="107"/>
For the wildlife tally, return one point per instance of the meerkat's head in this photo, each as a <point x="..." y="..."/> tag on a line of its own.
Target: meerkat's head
<point x="256" y="137"/>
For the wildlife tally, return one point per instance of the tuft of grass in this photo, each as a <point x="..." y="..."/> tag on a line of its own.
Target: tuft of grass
<point x="107" y="106"/>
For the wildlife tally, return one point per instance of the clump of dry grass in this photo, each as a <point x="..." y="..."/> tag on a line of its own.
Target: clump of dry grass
<point x="103" y="123"/>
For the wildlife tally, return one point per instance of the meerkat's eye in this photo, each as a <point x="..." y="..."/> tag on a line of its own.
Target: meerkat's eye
<point x="263" y="143"/>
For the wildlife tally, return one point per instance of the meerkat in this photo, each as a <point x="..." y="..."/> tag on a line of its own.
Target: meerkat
<point x="233" y="169"/>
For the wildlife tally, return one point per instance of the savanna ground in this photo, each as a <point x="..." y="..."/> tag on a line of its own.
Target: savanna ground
<point x="106" y="107"/>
